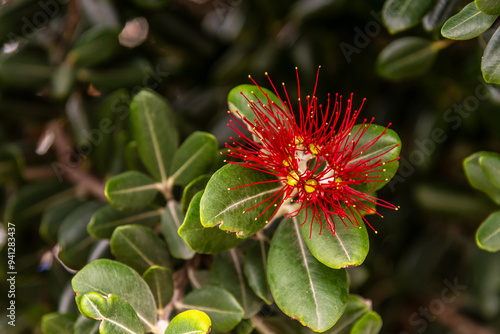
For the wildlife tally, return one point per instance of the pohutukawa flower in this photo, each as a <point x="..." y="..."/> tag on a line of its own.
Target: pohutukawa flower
<point x="316" y="155"/>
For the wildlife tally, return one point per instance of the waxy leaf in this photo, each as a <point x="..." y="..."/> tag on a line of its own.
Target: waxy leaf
<point x="227" y="270"/>
<point x="73" y="238"/>
<point x="94" y="46"/>
<point x="490" y="64"/>
<point x="115" y="314"/>
<point x="491" y="7"/>
<point x="347" y="248"/>
<point x="322" y="296"/>
<point x="131" y="191"/>
<point x="389" y="143"/>
<point x="171" y="221"/>
<point x="399" y="15"/>
<point x="488" y="234"/>
<point x="255" y="265"/>
<point x="57" y="323"/>
<point x="53" y="216"/>
<point x="370" y="323"/>
<point x="227" y="199"/>
<point x="222" y="308"/>
<point x="139" y="247"/>
<point x="106" y="276"/>
<point x="190" y="322"/>
<point x="467" y="24"/>
<point x="490" y="164"/>
<point x="193" y="158"/>
<point x="202" y="239"/>
<point x="106" y="219"/>
<point x="161" y="283"/>
<point x="191" y="189"/>
<point x="438" y="15"/>
<point x="477" y="177"/>
<point x="237" y="99"/>
<point x="154" y="131"/>
<point x="356" y="307"/>
<point x="86" y="326"/>
<point x="406" y="57"/>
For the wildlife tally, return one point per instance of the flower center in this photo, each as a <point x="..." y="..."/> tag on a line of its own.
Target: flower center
<point x="292" y="179"/>
<point x="310" y="185"/>
<point x="314" y="149"/>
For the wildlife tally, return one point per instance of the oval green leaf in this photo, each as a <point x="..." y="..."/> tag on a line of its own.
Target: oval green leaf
<point x="190" y="322"/>
<point x="239" y="105"/>
<point x="171" y="221"/>
<point x="490" y="164"/>
<point x="161" y="284"/>
<point x="86" y="326"/>
<point x="438" y="15"/>
<point x="53" y="216"/>
<point x="106" y="276"/>
<point x="57" y="323"/>
<point x="356" y="307"/>
<point x="467" y="24"/>
<point x="106" y="219"/>
<point x="154" y="131"/>
<point x="94" y="46"/>
<point x="477" y="178"/>
<point x="491" y="7"/>
<point x="490" y="64"/>
<point x="202" y="239"/>
<point x="406" y="57"/>
<point x="191" y="189"/>
<point x="227" y="270"/>
<point x="231" y="192"/>
<point x="322" y="296"/>
<point x="115" y="314"/>
<point x="369" y="323"/>
<point x="193" y="158"/>
<point x="222" y="308"/>
<point x="399" y="15"/>
<point x="347" y="248"/>
<point x="255" y="268"/>
<point x="130" y="191"/>
<point x="488" y="234"/>
<point x="139" y="247"/>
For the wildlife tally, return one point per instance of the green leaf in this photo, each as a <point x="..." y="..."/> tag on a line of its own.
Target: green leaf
<point x="254" y="266"/>
<point x="115" y="314"/>
<point x="161" y="283"/>
<point x="190" y="322"/>
<point x="406" y="57"/>
<point x="154" y="131"/>
<point x="222" y="308"/>
<point x="228" y="272"/>
<point x="347" y="248"/>
<point x="356" y="307"/>
<point x="477" y="178"/>
<point x="491" y="7"/>
<point x="106" y="219"/>
<point x="224" y="204"/>
<point x="399" y="15"/>
<point x="389" y="143"/>
<point x="370" y="323"/>
<point x="238" y="103"/>
<point x="191" y="189"/>
<point x="467" y="24"/>
<point x="202" y="239"/>
<point x="73" y="238"/>
<point x="171" y="221"/>
<point x="139" y="247"/>
<point x="437" y="16"/>
<point x="86" y="326"/>
<point x="193" y="158"/>
<point x="106" y="276"/>
<point x="131" y="190"/>
<point x="94" y="46"/>
<point x="322" y="296"/>
<point x="490" y="164"/>
<point x="246" y="326"/>
<point x="490" y="64"/>
<point x="53" y="217"/>
<point x="57" y="323"/>
<point x="488" y="234"/>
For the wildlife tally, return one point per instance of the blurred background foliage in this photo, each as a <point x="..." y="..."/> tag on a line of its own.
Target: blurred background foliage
<point x="68" y="70"/>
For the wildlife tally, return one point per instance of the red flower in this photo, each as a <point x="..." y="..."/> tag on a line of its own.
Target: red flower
<point x="316" y="156"/>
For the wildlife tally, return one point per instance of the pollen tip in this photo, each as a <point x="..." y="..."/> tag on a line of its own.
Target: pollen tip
<point x="228" y="188"/>
<point x="255" y="218"/>
<point x="265" y="73"/>
<point x="296" y="68"/>
<point x="249" y="76"/>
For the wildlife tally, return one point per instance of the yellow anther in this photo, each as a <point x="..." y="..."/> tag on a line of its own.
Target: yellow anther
<point x="292" y="179"/>
<point x="310" y="185"/>
<point x="298" y="141"/>
<point x="314" y="149"/>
